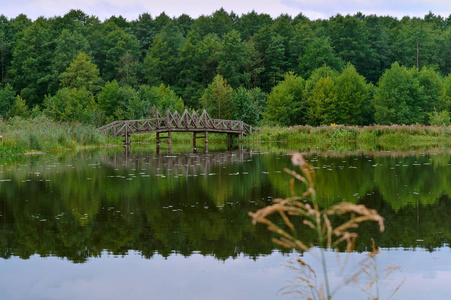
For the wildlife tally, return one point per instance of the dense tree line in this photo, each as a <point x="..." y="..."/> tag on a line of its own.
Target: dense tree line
<point x="287" y="70"/>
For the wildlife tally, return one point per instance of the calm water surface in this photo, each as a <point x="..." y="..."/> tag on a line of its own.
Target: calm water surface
<point x="140" y="225"/>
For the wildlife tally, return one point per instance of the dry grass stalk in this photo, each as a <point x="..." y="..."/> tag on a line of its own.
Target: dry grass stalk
<point x="329" y="236"/>
<point x="314" y="218"/>
<point x="370" y="269"/>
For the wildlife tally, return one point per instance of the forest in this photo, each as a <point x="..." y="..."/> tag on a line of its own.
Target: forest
<point x="351" y="70"/>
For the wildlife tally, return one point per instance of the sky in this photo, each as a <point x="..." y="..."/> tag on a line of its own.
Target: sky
<point x="313" y="9"/>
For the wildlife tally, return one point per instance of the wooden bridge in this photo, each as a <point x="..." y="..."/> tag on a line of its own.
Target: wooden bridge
<point x="174" y="122"/>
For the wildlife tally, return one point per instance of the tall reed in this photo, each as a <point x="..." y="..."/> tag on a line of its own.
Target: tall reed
<point x="334" y="227"/>
<point x="42" y="134"/>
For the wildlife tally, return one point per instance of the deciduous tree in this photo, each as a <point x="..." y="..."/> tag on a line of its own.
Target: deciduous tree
<point x="286" y="104"/>
<point x="7" y="99"/>
<point x="233" y="60"/>
<point x="82" y="73"/>
<point x="218" y="99"/>
<point x="398" y="97"/>
<point x="353" y="97"/>
<point x="31" y="65"/>
<point x="70" y="104"/>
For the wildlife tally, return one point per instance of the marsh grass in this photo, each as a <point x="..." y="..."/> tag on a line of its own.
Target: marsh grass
<point x="334" y="228"/>
<point x="43" y="135"/>
<point x="329" y="137"/>
<point x="356" y="136"/>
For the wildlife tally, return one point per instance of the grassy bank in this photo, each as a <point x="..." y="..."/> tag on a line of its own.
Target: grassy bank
<point x="43" y="135"/>
<point x="365" y="136"/>
<point x="333" y="137"/>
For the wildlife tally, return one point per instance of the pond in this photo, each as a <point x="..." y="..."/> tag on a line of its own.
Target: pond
<point x="113" y="224"/>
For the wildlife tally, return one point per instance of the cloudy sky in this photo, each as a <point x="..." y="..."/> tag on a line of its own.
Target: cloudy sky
<point x="313" y="9"/>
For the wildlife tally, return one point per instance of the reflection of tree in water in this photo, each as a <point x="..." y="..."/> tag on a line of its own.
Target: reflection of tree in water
<point x="424" y="225"/>
<point x="78" y="207"/>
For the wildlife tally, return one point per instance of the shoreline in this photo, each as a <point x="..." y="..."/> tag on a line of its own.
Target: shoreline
<point x="31" y="140"/>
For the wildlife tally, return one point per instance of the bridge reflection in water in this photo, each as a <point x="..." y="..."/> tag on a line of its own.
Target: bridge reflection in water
<point x="186" y="163"/>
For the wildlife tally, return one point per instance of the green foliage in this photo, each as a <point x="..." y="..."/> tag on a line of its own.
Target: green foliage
<point x="123" y="96"/>
<point x="31" y="65"/>
<point x="255" y="66"/>
<point x="379" y="41"/>
<point x="350" y="40"/>
<point x="128" y="69"/>
<point x="144" y="30"/>
<point x="244" y="109"/>
<point x="416" y="42"/>
<point x="108" y="98"/>
<point x="337" y="98"/>
<point x="82" y="73"/>
<point x="346" y="138"/>
<point x="147" y="95"/>
<point x="318" y="53"/>
<point x="322" y="102"/>
<point x="218" y="99"/>
<point x="118" y="43"/>
<point x="68" y="45"/>
<point x="442" y="118"/>
<point x="198" y="64"/>
<point x="19" y="109"/>
<point x="7" y="100"/>
<point x="353" y="97"/>
<point x="399" y="97"/>
<point x="275" y="64"/>
<point x="324" y="71"/>
<point x="233" y="60"/>
<point x="249" y="24"/>
<point x="252" y="51"/>
<point x="286" y="104"/>
<point x="129" y="103"/>
<point x="165" y="98"/>
<point x="43" y="134"/>
<point x="219" y="23"/>
<point x="160" y="64"/>
<point x="258" y="99"/>
<point x="70" y="104"/>
<point x="433" y="89"/>
<point x="6" y="46"/>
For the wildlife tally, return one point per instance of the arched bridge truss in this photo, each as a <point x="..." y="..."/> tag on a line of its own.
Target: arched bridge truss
<point x="174" y="122"/>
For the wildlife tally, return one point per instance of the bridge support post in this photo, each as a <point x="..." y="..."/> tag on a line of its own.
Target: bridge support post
<point x="229" y="140"/>
<point x="127" y="136"/>
<point x="194" y="140"/>
<point x="195" y="137"/>
<point x="159" y="138"/>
